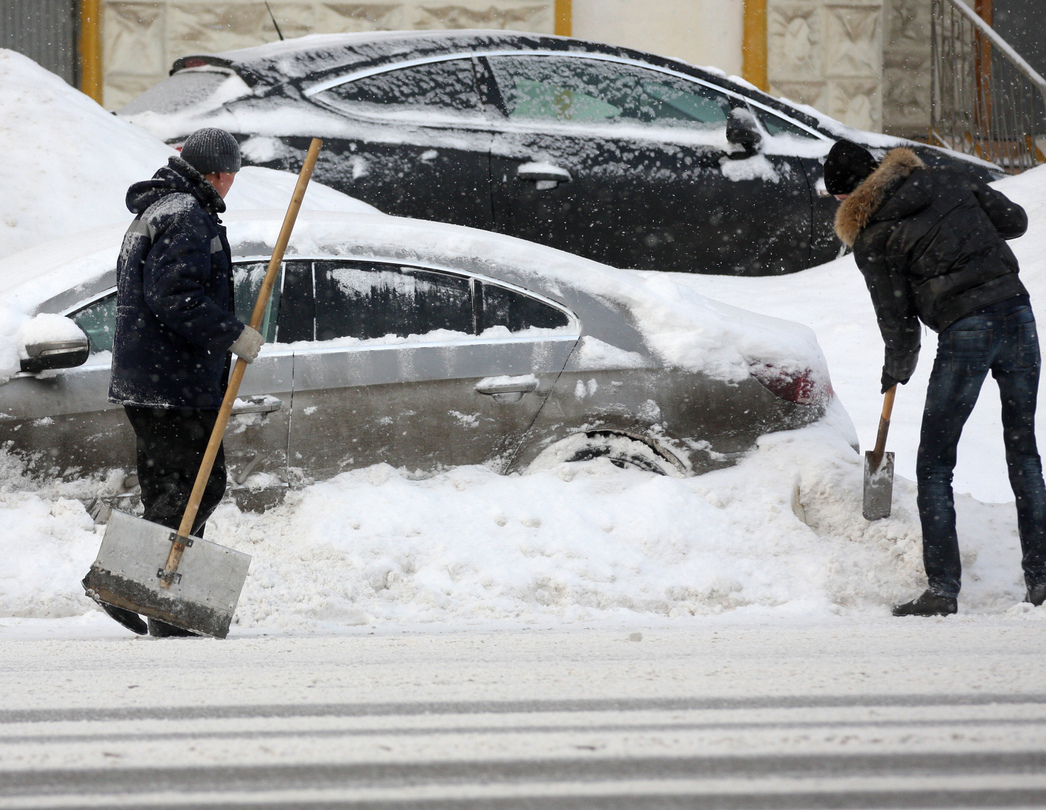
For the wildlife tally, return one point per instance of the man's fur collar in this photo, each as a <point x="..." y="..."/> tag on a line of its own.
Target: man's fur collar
<point x="857" y="210"/>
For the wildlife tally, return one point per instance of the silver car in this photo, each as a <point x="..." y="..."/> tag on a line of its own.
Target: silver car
<point x="420" y="345"/>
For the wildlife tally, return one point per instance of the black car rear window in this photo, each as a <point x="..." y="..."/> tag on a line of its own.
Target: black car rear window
<point x="448" y="85"/>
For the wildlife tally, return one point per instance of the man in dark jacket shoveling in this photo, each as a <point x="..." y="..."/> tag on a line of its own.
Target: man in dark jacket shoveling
<point x="175" y="328"/>
<point x="931" y="246"/>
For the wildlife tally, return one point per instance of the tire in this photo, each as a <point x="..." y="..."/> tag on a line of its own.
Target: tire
<point x="624" y="452"/>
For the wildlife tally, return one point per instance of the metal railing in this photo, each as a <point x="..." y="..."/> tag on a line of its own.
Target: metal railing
<point x="985" y="99"/>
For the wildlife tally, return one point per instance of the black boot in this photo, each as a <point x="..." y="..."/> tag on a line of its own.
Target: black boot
<point x="128" y="618"/>
<point x="1036" y="594"/>
<point x="160" y="629"/>
<point x="929" y="604"/>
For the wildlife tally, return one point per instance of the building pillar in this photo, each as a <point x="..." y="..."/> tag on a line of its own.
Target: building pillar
<point x="753" y="47"/>
<point x="91" y="49"/>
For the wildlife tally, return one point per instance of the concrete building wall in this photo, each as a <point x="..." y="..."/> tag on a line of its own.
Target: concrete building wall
<point x="140" y="40"/>
<point x="705" y="32"/>
<point x="829" y="55"/>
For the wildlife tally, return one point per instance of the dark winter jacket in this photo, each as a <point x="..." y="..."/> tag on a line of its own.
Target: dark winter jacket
<point x="174" y="308"/>
<point x="930" y="245"/>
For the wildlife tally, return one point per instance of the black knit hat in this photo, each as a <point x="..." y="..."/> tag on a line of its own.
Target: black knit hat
<point x="847" y="166"/>
<point x="211" y="150"/>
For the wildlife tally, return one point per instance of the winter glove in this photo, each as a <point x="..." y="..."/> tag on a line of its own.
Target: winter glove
<point x="247" y="345"/>
<point x="889" y="382"/>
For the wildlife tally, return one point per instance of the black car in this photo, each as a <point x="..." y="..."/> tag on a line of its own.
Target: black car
<point x="628" y="158"/>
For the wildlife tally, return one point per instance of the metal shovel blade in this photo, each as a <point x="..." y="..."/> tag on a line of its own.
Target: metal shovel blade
<point x="878" y="486"/>
<point x="132" y="558"/>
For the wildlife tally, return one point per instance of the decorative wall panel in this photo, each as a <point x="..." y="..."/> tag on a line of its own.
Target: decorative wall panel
<point x="484" y="14"/>
<point x="864" y="62"/>
<point x="142" y="39"/>
<point x="907" y="68"/>
<point x="829" y="54"/>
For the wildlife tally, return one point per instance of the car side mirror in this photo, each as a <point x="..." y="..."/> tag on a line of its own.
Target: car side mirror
<point x="742" y="129"/>
<point x="53" y="342"/>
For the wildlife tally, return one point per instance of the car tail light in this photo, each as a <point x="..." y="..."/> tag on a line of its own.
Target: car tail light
<point x="802" y="386"/>
<point x="191" y="63"/>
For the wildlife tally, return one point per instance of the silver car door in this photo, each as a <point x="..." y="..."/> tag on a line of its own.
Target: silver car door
<point x="62" y="421"/>
<point x="256" y="437"/>
<point x="421" y="368"/>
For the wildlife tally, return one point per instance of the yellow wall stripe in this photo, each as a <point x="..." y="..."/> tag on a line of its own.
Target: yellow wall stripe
<point x="91" y="48"/>
<point x="564" y="18"/>
<point x="754" y="47"/>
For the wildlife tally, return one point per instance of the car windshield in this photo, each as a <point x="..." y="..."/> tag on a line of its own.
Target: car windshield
<point x="185" y="89"/>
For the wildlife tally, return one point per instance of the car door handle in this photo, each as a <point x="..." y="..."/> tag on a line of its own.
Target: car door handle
<point x="507" y="390"/>
<point x="507" y="385"/>
<point x="544" y="174"/>
<point x="264" y="403"/>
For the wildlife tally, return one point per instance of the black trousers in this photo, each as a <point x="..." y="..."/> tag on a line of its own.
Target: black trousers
<point x="170" y="447"/>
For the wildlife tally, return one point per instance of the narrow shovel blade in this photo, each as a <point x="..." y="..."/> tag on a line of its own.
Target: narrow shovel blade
<point x="878" y="487"/>
<point x="134" y="551"/>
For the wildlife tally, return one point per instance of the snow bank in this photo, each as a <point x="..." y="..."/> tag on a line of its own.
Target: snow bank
<point x="68" y="162"/>
<point x="780" y="536"/>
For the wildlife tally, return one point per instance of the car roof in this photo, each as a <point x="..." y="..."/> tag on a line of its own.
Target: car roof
<point x="645" y="314"/>
<point x="75" y="261"/>
<point x="317" y="54"/>
<point x="67" y="272"/>
<point x="310" y="58"/>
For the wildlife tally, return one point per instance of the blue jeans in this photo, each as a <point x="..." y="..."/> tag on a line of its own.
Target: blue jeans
<point x="1004" y="341"/>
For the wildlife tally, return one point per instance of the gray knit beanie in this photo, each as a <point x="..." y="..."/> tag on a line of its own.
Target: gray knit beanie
<point x="211" y="150"/>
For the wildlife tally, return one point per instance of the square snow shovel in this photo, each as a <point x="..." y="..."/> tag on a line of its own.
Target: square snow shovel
<point x="878" y="468"/>
<point x="179" y="579"/>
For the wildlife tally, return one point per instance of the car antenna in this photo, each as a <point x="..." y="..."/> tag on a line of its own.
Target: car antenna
<point x="273" y="18"/>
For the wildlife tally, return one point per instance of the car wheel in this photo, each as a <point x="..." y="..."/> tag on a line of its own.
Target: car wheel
<point x="623" y="451"/>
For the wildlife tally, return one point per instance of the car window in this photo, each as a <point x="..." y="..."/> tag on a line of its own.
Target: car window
<point x="776" y="125"/>
<point x="248" y="280"/>
<point x="448" y="86"/>
<point x="597" y="91"/>
<point x="98" y="320"/>
<point x="376" y="300"/>
<point x="516" y="311"/>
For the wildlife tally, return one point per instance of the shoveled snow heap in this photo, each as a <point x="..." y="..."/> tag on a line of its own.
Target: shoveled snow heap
<point x="67" y="162"/>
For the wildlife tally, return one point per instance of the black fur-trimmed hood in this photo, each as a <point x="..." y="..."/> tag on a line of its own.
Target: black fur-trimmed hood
<point x="857" y="210"/>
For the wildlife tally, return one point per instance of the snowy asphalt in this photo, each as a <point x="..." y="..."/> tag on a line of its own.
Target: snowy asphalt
<point x="901" y="713"/>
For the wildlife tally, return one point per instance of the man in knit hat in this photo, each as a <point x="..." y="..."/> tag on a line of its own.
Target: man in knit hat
<point x="175" y="329"/>
<point x="931" y="246"/>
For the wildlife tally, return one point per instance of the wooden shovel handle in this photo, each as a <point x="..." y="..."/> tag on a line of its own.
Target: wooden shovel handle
<point x="884" y="427"/>
<point x="217" y="434"/>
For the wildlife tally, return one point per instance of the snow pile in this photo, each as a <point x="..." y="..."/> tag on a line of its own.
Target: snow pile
<point x="778" y="536"/>
<point x="68" y="162"/>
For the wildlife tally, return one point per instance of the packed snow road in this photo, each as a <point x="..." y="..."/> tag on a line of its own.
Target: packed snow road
<point x="879" y="713"/>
